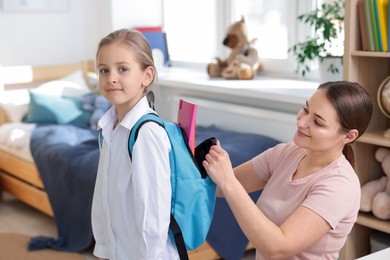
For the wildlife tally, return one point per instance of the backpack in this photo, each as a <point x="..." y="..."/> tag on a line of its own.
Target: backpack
<point x="193" y="192"/>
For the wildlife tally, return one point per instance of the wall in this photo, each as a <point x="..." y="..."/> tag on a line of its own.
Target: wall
<point x="41" y="38"/>
<point x="131" y="13"/>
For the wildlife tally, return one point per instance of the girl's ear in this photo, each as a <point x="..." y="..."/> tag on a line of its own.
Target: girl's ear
<point x="149" y="76"/>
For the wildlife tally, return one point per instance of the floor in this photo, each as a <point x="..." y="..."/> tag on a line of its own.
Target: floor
<point x="17" y="217"/>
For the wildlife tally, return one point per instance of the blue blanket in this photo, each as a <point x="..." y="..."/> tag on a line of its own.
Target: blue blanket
<point x="67" y="159"/>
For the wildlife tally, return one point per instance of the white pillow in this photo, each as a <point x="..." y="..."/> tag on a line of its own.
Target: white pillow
<point x="72" y="85"/>
<point x="15" y="102"/>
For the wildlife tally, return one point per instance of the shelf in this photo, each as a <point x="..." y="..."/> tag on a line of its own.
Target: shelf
<point x="376" y="138"/>
<point x="369" y="68"/>
<point x="368" y="220"/>
<point x="373" y="54"/>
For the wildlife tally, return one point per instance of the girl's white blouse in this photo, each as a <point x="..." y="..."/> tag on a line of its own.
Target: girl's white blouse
<point x="132" y="198"/>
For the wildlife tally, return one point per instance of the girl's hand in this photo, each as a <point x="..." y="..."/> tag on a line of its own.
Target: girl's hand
<point x="218" y="165"/>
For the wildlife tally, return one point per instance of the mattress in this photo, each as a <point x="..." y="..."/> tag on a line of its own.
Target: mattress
<point x="15" y="139"/>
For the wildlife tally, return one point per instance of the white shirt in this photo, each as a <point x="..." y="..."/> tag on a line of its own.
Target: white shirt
<point x="132" y="199"/>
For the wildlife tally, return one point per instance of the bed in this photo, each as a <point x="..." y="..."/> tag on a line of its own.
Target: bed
<point x="27" y="177"/>
<point x="19" y="175"/>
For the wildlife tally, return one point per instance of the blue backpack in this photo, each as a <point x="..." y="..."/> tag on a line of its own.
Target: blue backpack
<point x="193" y="192"/>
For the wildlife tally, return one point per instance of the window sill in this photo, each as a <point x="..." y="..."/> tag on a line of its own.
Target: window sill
<point x="271" y="89"/>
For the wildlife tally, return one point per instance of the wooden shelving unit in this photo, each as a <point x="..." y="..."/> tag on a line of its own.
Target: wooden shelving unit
<point x="369" y="69"/>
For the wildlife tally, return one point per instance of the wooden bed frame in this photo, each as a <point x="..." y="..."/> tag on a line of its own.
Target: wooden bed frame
<point x="17" y="176"/>
<point x="21" y="178"/>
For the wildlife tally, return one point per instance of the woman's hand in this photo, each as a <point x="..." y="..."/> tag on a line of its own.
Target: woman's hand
<point x="218" y="165"/>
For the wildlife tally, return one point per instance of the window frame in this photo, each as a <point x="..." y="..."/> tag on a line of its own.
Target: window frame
<point x="281" y="68"/>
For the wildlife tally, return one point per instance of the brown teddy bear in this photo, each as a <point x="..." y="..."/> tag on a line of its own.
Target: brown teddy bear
<point x="375" y="195"/>
<point x="243" y="61"/>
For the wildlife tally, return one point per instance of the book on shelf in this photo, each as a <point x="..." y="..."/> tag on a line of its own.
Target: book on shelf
<point x="369" y="25"/>
<point x="382" y="10"/>
<point x="186" y="118"/>
<point x="362" y="24"/>
<point x="388" y="27"/>
<point x="374" y="21"/>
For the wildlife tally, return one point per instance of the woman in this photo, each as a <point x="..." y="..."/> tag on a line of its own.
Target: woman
<point x="311" y="193"/>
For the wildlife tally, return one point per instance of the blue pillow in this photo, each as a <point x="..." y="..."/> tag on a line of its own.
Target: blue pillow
<point x="50" y="109"/>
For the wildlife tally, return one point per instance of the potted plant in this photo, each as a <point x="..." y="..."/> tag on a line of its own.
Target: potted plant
<point x="328" y="40"/>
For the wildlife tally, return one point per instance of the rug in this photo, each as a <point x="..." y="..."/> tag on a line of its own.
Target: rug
<point x="14" y="247"/>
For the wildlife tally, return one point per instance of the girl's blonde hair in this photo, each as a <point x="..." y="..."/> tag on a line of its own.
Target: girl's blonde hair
<point x="140" y="48"/>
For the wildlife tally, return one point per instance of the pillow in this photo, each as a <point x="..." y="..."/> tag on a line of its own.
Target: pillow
<point x="93" y="81"/>
<point x="14" y="112"/>
<point x="14" y="103"/>
<point x="72" y="85"/>
<point x="56" y="110"/>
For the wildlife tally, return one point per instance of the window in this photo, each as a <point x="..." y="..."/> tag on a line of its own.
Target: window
<point x="192" y="31"/>
<point x="267" y="22"/>
<point x="197" y="38"/>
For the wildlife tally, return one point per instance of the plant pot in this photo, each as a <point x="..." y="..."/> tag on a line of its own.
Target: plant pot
<point x="324" y="68"/>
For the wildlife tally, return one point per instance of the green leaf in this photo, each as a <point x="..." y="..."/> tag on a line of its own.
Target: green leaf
<point x="327" y="22"/>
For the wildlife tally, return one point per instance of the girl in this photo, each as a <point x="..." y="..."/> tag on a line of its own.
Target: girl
<point x="311" y="194"/>
<point x="131" y="203"/>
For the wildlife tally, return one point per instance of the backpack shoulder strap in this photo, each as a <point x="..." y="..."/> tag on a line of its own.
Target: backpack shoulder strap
<point x="173" y="225"/>
<point x="100" y="138"/>
<point x="134" y="131"/>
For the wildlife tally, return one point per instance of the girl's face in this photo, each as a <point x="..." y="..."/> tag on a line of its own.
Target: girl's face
<point x="318" y="126"/>
<point x="121" y="79"/>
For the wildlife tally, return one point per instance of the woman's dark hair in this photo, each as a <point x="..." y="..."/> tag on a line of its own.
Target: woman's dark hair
<point x="353" y="106"/>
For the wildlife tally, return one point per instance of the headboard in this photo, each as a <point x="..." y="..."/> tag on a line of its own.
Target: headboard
<point x="22" y="76"/>
<point x="14" y="78"/>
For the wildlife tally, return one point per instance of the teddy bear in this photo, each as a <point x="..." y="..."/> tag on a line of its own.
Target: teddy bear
<point x="243" y="61"/>
<point x="375" y="194"/>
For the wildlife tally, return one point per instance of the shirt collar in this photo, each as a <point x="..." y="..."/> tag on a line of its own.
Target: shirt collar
<point x="110" y="117"/>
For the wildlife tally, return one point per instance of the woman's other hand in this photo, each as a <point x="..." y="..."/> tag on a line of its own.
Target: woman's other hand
<point x="218" y="165"/>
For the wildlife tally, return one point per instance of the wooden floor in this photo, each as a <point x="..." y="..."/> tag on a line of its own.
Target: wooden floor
<point x="17" y="217"/>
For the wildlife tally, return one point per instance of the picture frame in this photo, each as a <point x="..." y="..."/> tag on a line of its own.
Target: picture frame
<point x="35" y="5"/>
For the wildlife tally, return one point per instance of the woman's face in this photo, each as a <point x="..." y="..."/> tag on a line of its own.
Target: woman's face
<point x="318" y="125"/>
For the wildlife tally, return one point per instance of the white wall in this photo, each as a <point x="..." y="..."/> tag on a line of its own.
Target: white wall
<point x="131" y="13"/>
<point x="42" y="38"/>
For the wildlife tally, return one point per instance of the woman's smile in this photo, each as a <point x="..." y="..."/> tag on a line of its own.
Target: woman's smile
<point x="299" y="132"/>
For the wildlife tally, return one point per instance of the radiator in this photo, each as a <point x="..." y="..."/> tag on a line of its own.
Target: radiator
<point x="241" y="118"/>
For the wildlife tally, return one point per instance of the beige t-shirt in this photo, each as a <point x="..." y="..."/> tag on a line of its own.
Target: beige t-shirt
<point x="333" y="193"/>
